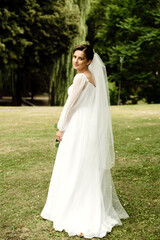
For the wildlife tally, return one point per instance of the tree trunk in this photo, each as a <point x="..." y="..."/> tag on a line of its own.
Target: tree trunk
<point x="52" y="102"/>
<point x="17" y="95"/>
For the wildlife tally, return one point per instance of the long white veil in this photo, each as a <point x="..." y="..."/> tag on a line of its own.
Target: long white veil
<point x="101" y="114"/>
<point x="104" y="144"/>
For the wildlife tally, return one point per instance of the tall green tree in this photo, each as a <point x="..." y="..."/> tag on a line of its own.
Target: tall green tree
<point x="62" y="71"/>
<point x="33" y="35"/>
<point x="127" y="35"/>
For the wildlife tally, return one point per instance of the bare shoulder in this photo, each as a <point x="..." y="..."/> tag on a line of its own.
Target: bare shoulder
<point x="90" y="77"/>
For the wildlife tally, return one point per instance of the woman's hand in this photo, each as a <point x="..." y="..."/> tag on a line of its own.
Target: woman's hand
<point x="59" y="135"/>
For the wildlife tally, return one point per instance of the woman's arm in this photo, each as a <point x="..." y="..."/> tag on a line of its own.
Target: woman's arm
<point x="78" y="85"/>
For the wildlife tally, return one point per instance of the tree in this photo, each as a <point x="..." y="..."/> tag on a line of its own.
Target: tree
<point x="33" y="35"/>
<point x="63" y="72"/>
<point x="129" y="30"/>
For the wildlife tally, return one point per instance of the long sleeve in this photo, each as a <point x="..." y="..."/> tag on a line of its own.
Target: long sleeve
<point x="78" y="85"/>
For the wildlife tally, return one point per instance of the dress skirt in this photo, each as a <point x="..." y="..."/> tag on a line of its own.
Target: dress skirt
<point x="81" y="197"/>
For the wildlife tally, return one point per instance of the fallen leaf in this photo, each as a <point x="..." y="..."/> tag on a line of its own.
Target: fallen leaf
<point x="137" y="139"/>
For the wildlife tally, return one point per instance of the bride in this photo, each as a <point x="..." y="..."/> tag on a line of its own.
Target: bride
<point x="82" y="199"/>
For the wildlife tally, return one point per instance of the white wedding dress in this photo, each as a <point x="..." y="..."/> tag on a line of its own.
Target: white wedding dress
<point x="81" y="199"/>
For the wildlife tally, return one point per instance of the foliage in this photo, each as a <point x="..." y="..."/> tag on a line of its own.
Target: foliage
<point x="129" y="30"/>
<point x="113" y="93"/>
<point x="33" y="35"/>
<point x="63" y="72"/>
<point x="27" y="154"/>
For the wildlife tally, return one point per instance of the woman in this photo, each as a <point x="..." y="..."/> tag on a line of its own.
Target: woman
<point x="81" y="198"/>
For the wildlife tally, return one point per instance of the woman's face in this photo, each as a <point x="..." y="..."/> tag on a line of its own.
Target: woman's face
<point x="80" y="62"/>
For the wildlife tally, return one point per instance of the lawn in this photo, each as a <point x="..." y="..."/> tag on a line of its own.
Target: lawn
<point x="27" y="154"/>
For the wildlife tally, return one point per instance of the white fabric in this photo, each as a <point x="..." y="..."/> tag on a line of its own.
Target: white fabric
<point x="101" y="118"/>
<point x="81" y="195"/>
<point x="77" y="87"/>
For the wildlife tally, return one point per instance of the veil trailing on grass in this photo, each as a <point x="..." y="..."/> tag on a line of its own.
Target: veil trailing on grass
<point x="101" y="114"/>
<point x="101" y="119"/>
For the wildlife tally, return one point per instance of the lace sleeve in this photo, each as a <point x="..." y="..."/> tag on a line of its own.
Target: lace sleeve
<point x="78" y="85"/>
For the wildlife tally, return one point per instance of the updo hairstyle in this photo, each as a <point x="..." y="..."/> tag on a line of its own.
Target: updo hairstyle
<point x="87" y="49"/>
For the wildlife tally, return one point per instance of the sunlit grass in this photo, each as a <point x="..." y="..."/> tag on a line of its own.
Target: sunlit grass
<point x="27" y="153"/>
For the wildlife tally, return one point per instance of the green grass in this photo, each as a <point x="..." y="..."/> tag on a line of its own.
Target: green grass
<point x="27" y="153"/>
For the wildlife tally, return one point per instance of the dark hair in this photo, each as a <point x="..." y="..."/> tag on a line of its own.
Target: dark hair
<point x="87" y="49"/>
